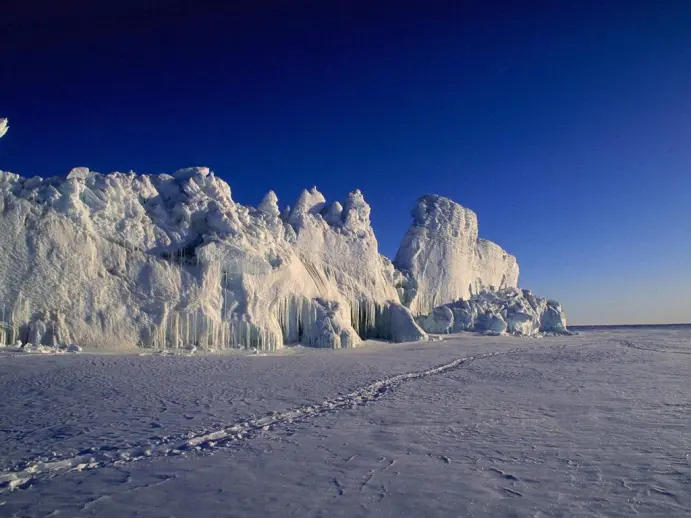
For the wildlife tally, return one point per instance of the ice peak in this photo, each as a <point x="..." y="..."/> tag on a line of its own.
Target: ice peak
<point x="309" y="202"/>
<point x="270" y="205"/>
<point x="191" y="172"/>
<point x="356" y="212"/>
<point x="444" y="216"/>
<point x="445" y="257"/>
<point x="79" y="173"/>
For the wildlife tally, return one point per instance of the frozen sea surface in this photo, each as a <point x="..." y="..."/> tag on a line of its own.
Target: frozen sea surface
<point x="592" y="425"/>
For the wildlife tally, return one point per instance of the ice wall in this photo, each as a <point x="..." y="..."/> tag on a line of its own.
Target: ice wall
<point x="171" y="260"/>
<point x="443" y="259"/>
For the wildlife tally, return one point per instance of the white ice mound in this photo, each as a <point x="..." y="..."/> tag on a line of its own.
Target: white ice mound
<point x="444" y="260"/>
<point x="511" y="311"/>
<point x="169" y="261"/>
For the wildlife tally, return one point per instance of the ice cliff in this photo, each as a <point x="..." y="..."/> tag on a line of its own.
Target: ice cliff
<point x="170" y="261"/>
<point x="444" y="260"/>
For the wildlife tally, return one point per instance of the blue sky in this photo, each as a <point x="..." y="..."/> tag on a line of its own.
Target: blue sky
<point x="564" y="125"/>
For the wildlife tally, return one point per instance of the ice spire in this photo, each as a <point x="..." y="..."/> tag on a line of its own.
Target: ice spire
<point x="356" y="213"/>
<point x="309" y="202"/>
<point x="270" y="205"/>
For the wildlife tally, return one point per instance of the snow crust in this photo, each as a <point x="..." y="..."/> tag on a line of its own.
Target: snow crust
<point x="444" y="260"/>
<point x="512" y="311"/>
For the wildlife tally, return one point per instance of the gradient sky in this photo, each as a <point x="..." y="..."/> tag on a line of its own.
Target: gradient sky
<point x="563" y="124"/>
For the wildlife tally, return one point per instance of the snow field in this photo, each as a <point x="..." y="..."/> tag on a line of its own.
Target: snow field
<point x="593" y="424"/>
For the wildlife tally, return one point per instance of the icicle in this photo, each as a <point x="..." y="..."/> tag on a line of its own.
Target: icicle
<point x="163" y="328"/>
<point x="177" y="330"/>
<point x="205" y="331"/>
<point x="187" y="329"/>
<point x="194" y="329"/>
<point x="223" y="334"/>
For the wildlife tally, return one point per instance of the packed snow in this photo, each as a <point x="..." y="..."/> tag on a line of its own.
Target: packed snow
<point x="167" y="261"/>
<point x="593" y="424"/>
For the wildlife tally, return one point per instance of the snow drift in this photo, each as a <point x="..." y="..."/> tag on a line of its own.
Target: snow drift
<point x="172" y="261"/>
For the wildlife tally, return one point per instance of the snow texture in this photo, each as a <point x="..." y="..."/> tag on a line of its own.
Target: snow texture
<point x="595" y="424"/>
<point x="444" y="259"/>
<point x="512" y="311"/>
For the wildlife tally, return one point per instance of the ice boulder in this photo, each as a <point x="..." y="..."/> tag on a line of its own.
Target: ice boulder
<point x="553" y="318"/>
<point x="511" y="311"/>
<point x="402" y="327"/>
<point x="440" y="320"/>
<point x="491" y="322"/>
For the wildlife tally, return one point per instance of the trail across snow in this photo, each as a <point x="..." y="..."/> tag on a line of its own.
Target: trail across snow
<point x="595" y="424"/>
<point x="631" y="344"/>
<point x="93" y="458"/>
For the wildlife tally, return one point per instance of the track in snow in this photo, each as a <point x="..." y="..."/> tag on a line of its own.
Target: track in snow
<point x="630" y="344"/>
<point x="27" y="473"/>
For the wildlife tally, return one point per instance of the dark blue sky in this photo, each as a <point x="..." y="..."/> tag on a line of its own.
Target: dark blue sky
<point x="564" y="125"/>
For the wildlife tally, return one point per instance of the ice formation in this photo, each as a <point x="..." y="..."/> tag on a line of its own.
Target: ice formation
<point x="4" y="126"/>
<point x="513" y="311"/>
<point x="444" y="260"/>
<point x="171" y="261"/>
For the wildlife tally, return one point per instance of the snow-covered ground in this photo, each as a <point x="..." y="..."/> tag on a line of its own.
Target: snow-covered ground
<point x="596" y="424"/>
